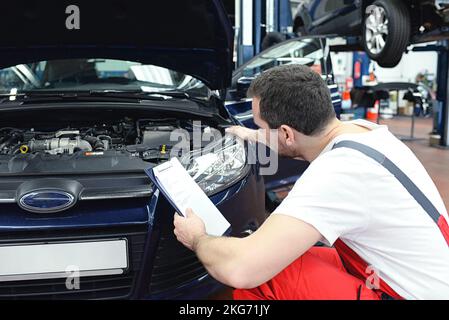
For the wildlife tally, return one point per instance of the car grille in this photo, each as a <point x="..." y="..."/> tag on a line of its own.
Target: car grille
<point x="96" y="287"/>
<point x="174" y="265"/>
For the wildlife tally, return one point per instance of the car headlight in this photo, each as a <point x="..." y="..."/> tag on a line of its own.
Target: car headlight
<point x="218" y="165"/>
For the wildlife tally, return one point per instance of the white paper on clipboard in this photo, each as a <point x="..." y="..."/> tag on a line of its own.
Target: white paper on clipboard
<point x="176" y="184"/>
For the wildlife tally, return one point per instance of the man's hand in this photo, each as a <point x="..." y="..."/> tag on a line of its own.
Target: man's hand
<point x="189" y="229"/>
<point x="243" y="133"/>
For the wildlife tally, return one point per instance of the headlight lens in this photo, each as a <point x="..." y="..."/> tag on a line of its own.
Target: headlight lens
<point x="218" y="165"/>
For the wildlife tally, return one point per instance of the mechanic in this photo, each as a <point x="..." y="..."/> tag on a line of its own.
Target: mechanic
<point x="381" y="241"/>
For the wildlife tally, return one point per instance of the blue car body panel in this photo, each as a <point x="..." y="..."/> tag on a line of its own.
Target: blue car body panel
<point x="160" y="267"/>
<point x="248" y="194"/>
<point x="124" y="30"/>
<point x="322" y="17"/>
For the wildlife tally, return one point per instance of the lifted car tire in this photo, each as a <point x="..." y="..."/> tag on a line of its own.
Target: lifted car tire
<point x="385" y="37"/>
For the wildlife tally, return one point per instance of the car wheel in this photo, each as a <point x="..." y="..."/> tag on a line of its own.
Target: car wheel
<point x="386" y="31"/>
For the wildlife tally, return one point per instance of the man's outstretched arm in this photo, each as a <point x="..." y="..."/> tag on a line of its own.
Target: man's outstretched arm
<point x="248" y="262"/>
<point x="253" y="135"/>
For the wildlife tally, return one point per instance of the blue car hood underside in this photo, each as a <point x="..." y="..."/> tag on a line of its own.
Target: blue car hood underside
<point x="190" y="36"/>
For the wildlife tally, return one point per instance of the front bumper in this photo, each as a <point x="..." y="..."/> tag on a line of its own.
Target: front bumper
<point x="159" y="266"/>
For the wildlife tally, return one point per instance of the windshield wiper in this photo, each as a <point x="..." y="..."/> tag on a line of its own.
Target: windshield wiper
<point x="37" y="95"/>
<point x="149" y="95"/>
<point x="164" y="95"/>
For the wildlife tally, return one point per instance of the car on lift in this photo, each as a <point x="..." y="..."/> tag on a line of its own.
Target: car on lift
<point x="82" y="114"/>
<point x="385" y="27"/>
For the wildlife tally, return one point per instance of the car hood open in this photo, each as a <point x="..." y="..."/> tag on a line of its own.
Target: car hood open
<point x="190" y="36"/>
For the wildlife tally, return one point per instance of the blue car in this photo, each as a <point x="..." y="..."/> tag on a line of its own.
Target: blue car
<point x="82" y="116"/>
<point x="385" y="27"/>
<point x="82" y="113"/>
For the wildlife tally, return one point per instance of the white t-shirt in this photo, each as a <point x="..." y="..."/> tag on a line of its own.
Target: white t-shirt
<point x="345" y="194"/>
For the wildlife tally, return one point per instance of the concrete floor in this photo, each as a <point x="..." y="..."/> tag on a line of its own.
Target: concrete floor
<point x="435" y="160"/>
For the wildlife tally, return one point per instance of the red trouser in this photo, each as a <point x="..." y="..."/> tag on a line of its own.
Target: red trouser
<point x="318" y="274"/>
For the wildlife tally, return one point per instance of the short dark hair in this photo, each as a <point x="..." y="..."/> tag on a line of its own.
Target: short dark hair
<point x="293" y="95"/>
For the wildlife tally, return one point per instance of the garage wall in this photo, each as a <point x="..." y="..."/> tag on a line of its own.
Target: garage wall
<point x="342" y="66"/>
<point x="411" y="64"/>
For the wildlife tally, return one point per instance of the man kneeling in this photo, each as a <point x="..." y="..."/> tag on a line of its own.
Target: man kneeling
<point x="365" y="195"/>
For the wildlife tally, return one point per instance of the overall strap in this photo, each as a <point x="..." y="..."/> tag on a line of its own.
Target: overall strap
<point x="356" y="265"/>
<point x="408" y="184"/>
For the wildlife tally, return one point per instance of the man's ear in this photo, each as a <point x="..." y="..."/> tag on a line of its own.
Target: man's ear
<point x="288" y="134"/>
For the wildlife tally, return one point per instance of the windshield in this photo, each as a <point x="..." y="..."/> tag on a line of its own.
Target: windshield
<point x="97" y="74"/>
<point x="300" y="51"/>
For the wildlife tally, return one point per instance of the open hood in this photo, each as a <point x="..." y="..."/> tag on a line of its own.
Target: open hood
<point x="190" y="36"/>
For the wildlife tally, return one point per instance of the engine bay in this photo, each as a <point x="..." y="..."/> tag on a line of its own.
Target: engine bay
<point x="139" y="136"/>
<point x="121" y="143"/>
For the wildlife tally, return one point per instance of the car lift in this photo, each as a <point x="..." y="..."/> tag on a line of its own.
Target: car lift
<point x="254" y="19"/>
<point x="442" y="96"/>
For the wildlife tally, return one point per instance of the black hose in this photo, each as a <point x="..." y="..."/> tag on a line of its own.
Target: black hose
<point x="15" y="150"/>
<point x="95" y="142"/>
<point x="13" y="139"/>
<point x="105" y="137"/>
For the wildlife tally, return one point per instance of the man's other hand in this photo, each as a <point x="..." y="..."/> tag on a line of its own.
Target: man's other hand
<point x="189" y="229"/>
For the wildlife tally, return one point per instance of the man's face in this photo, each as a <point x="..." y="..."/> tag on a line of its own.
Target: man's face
<point x="283" y="148"/>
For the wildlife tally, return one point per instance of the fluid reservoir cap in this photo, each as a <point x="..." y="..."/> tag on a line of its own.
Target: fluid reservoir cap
<point x="24" y="149"/>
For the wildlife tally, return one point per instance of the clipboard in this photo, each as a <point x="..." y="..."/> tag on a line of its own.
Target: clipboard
<point x="181" y="191"/>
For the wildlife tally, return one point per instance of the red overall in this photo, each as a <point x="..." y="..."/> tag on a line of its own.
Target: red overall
<point x="337" y="273"/>
<point x="325" y="274"/>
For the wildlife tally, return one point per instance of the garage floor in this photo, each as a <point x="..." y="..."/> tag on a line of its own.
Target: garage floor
<point x="435" y="160"/>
